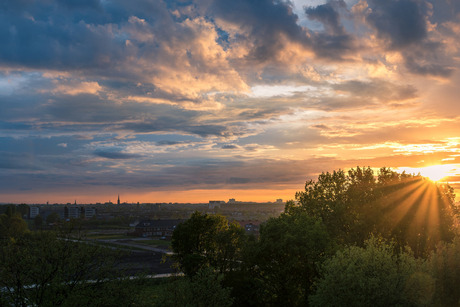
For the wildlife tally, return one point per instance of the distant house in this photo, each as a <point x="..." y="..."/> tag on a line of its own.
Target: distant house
<point x="156" y="228"/>
<point x="216" y="203"/>
<point x="90" y="212"/>
<point x="74" y="212"/>
<point x="251" y="227"/>
<point x="34" y="211"/>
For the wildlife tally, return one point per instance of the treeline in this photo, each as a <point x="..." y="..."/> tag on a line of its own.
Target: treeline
<point x="57" y="267"/>
<point x="349" y="239"/>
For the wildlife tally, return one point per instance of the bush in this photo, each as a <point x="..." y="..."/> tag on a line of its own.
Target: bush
<point x="445" y="267"/>
<point x="373" y="276"/>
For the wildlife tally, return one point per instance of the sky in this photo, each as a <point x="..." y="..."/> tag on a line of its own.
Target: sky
<point x="188" y="101"/>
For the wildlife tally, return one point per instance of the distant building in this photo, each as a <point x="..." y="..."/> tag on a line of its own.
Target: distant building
<point x="279" y="201"/>
<point x="118" y="201"/>
<point x="90" y="212"/>
<point x="34" y="211"/>
<point x="231" y="201"/>
<point x="156" y="228"/>
<point x="74" y="212"/>
<point x="216" y="203"/>
<point x="251" y="227"/>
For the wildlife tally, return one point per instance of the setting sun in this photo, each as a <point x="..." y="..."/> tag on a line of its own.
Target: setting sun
<point x="433" y="172"/>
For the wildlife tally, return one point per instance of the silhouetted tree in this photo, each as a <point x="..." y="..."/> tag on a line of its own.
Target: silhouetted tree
<point x="409" y="208"/>
<point x="207" y="240"/>
<point x="445" y="267"/>
<point x="201" y="290"/>
<point x="58" y="269"/>
<point x="38" y="222"/>
<point x="373" y="276"/>
<point x="285" y="258"/>
<point x="53" y="218"/>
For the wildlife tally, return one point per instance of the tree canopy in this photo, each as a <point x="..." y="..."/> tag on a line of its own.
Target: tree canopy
<point x="373" y="276"/>
<point x="207" y="240"/>
<point x="411" y="209"/>
<point x="285" y="258"/>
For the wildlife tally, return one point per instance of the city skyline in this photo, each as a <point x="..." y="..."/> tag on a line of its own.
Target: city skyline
<point x="187" y="101"/>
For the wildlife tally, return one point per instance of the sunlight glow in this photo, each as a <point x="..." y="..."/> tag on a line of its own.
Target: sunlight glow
<point x="433" y="172"/>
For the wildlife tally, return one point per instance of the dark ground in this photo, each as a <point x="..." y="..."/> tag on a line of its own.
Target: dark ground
<point x="145" y="262"/>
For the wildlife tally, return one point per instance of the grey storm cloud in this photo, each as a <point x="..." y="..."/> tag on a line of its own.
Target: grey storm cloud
<point x="168" y="143"/>
<point x="116" y="155"/>
<point x="229" y="146"/>
<point x="380" y="89"/>
<point x="265" y="20"/>
<point x="93" y="110"/>
<point x="401" y="22"/>
<point x="328" y="15"/>
<point x="334" y="41"/>
<point x="403" y="25"/>
<point x="18" y="161"/>
<point x="428" y="69"/>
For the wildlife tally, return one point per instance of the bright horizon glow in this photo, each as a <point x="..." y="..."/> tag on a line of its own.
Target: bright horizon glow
<point x="433" y="172"/>
<point x="177" y="196"/>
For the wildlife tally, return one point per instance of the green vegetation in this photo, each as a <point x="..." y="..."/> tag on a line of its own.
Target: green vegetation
<point x="373" y="276"/>
<point x="203" y="289"/>
<point x="207" y="241"/>
<point x="56" y="268"/>
<point x="349" y="239"/>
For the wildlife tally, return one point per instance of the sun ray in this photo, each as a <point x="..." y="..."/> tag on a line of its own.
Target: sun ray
<point x="433" y="216"/>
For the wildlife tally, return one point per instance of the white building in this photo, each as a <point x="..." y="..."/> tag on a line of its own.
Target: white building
<point x="90" y="212"/>
<point x="34" y="211"/>
<point x="74" y="212"/>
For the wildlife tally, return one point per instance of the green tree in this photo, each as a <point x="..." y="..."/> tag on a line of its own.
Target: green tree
<point x="23" y="209"/>
<point x="12" y="225"/>
<point x="207" y="240"/>
<point x="445" y="267"/>
<point x="51" y="269"/>
<point x="285" y="259"/>
<point x="373" y="276"/>
<point x="38" y="222"/>
<point x="409" y="208"/>
<point x="203" y="289"/>
<point x="52" y="219"/>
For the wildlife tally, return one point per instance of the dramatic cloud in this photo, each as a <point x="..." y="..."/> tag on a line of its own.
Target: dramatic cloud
<point x="215" y="95"/>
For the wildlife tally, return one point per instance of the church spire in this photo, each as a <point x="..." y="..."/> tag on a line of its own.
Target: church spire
<point x="118" y="202"/>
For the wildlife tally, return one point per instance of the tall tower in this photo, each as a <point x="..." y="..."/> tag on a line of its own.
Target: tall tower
<point x="118" y="202"/>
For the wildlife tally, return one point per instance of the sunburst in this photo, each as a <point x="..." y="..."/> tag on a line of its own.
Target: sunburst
<point x="433" y="172"/>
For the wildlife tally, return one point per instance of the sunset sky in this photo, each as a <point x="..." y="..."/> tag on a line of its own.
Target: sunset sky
<point x="189" y="101"/>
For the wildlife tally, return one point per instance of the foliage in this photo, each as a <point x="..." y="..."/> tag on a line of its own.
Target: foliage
<point x="373" y="276"/>
<point x="53" y="218"/>
<point x="200" y="290"/>
<point x="58" y="269"/>
<point x="207" y="240"/>
<point x="285" y="258"/>
<point x="12" y="225"/>
<point x="445" y="267"/>
<point x="395" y="206"/>
<point x="38" y="222"/>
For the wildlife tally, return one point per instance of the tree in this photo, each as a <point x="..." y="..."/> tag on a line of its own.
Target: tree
<point x="409" y="208"/>
<point x="52" y="219"/>
<point x="38" y="222"/>
<point x="200" y="290"/>
<point x="373" y="276"/>
<point x="58" y="269"/>
<point x="12" y="225"/>
<point x="285" y="258"/>
<point x="444" y="263"/>
<point x="207" y="240"/>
